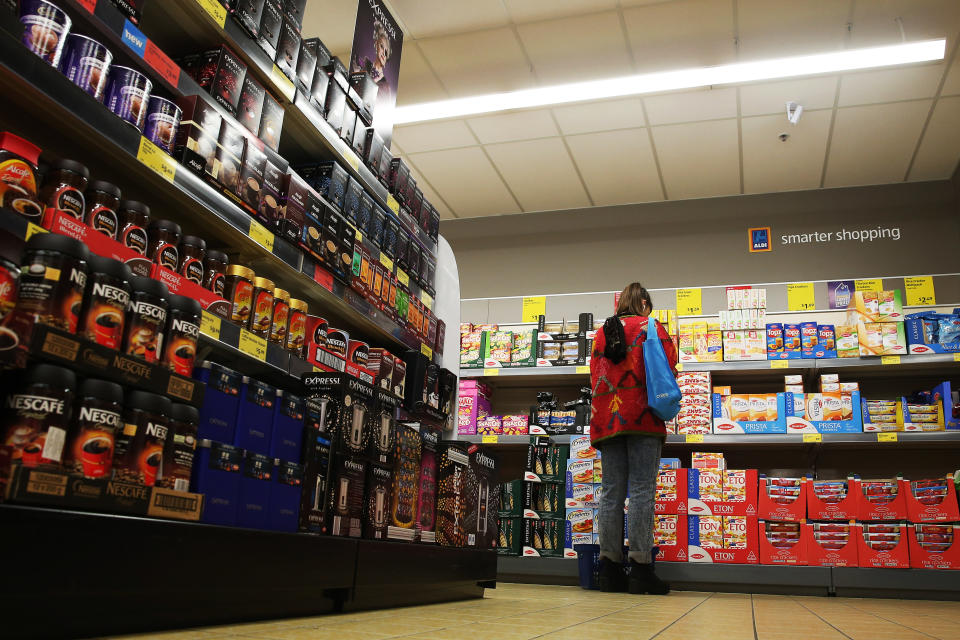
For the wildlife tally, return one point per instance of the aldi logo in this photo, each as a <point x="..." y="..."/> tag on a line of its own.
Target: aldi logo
<point x="759" y="239"/>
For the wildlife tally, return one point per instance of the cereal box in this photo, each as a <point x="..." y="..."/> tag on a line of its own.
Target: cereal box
<point x="582" y="494"/>
<point x="581" y="520"/>
<point x="472" y="347"/>
<point x="515" y="425"/>
<point x="497" y="352"/>
<point x="523" y="349"/>
<point x="489" y="425"/>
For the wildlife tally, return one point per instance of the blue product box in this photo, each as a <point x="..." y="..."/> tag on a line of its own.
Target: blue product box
<point x="255" y="416"/>
<point x="942" y="393"/>
<point x="791" y="342"/>
<point x="216" y="474"/>
<point x="809" y="339"/>
<point x="802" y="425"/>
<point x="287" y="438"/>
<point x="724" y="425"/>
<point x="826" y="341"/>
<point x="918" y="339"/>
<point x="670" y="463"/>
<point x="254" y="490"/>
<point x="581" y="494"/>
<point x="218" y="415"/>
<point x="283" y="513"/>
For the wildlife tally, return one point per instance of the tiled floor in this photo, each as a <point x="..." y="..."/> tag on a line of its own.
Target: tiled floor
<point x="530" y="611"/>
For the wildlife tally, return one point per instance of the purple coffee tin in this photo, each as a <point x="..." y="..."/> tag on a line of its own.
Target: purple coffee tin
<point x="163" y="120"/>
<point x="127" y="95"/>
<point x="86" y="63"/>
<point x="45" y="28"/>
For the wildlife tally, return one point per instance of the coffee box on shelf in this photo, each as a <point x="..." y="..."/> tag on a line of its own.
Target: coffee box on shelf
<point x="377" y="503"/>
<point x="218" y="414"/>
<point x="255" y="416"/>
<point x="346" y="496"/>
<point x="288" y="420"/>
<point x="286" y="486"/>
<point x="217" y="474"/>
<point x="482" y="498"/>
<point x="318" y="433"/>
<point x="406" y="482"/>
<point x="453" y="469"/>
<point x="427" y="485"/>
<point x="255" y="481"/>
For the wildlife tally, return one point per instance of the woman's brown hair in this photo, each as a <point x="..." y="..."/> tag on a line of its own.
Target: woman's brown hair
<point x="634" y="301"/>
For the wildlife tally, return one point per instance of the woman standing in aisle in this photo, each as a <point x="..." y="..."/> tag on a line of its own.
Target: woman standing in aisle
<point x="629" y="437"/>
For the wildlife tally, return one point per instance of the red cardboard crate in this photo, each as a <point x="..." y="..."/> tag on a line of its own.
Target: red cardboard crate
<point x="945" y="511"/>
<point x="895" y="510"/>
<point x="846" y="509"/>
<point x="818" y="556"/>
<point x="897" y="558"/>
<point x="672" y="478"/>
<point x="675" y="552"/>
<point x="698" y="507"/>
<point x="58" y="222"/>
<point x="767" y="509"/>
<point x="695" y="553"/>
<point x="795" y="555"/>
<point x="178" y="285"/>
<point x="920" y="558"/>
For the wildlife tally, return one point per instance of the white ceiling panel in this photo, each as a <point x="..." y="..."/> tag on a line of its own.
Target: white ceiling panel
<point x="417" y="81"/>
<point x="540" y="174"/>
<point x="875" y="22"/>
<point x="873" y="144"/>
<point x="466" y="180"/>
<point x="523" y="125"/>
<point x="940" y="149"/>
<point x="681" y="33"/>
<point x="699" y="160"/>
<point x="426" y="18"/>
<point x="332" y="22"/>
<point x="951" y="86"/>
<point x="617" y="166"/>
<point x="433" y="136"/>
<point x="428" y="192"/>
<point x="709" y="104"/>
<point x="600" y="116"/>
<point x="771" y="97"/>
<point x="889" y="85"/>
<point x="533" y="10"/>
<point x="577" y="48"/>
<point x="777" y="28"/>
<point x="480" y="62"/>
<point x="771" y="165"/>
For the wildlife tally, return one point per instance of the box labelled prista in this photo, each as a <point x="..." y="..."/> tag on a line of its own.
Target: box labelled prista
<point x="801" y="425"/>
<point x="838" y="546"/>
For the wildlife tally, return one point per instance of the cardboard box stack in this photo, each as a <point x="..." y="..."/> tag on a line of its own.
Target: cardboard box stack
<point x="923" y="411"/>
<point x="878" y="318"/>
<point x="473" y="404"/>
<point x="582" y="499"/>
<point x="721" y="508"/>
<point x="743" y="325"/>
<point x="695" y="403"/>
<point x="835" y="408"/>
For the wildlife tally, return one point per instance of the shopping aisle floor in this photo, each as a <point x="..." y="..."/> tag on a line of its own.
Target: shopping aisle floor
<point x="569" y="613"/>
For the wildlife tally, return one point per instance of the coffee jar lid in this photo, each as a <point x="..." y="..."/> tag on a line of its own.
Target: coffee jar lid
<point x="134" y="205"/>
<point x="150" y="286"/>
<point x="184" y="413"/>
<point x="298" y="305"/>
<point x="49" y="374"/>
<point x="72" y="166"/>
<point x="106" y="187"/>
<point x="146" y="401"/>
<point x="185" y="304"/>
<point x="57" y="242"/>
<point x="110" y="267"/>
<point x="263" y="283"/>
<point x="165" y="225"/>
<point x="240" y="270"/>
<point x="101" y="390"/>
<point x="219" y="256"/>
<point x="194" y="241"/>
<point x="281" y="294"/>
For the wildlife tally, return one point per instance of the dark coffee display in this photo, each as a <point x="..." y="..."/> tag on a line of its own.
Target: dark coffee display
<point x="239" y="293"/>
<point x="190" y="263"/>
<point x="106" y="301"/>
<point x="53" y="276"/>
<point x="138" y="452"/>
<point x="63" y="188"/>
<point x="181" y="445"/>
<point x="102" y="200"/>
<point x="163" y="239"/>
<point x="133" y="220"/>
<point x="146" y="318"/>
<point x="261" y="316"/>
<point x="281" y="316"/>
<point x="214" y="271"/>
<point x="183" y="331"/>
<point x="97" y="422"/>
<point x="36" y="415"/>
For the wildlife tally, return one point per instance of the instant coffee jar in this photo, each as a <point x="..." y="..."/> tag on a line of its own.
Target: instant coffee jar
<point x="102" y="200"/>
<point x="53" y="276"/>
<point x="239" y="293"/>
<point x="281" y="316"/>
<point x="214" y="271"/>
<point x="36" y="415"/>
<point x="85" y="63"/>
<point x="163" y="236"/>
<point x="190" y="266"/>
<point x="262" y="315"/>
<point x="133" y="220"/>
<point x="9" y="274"/>
<point x="146" y="318"/>
<point x="106" y="301"/>
<point x="63" y="188"/>
<point x="95" y="428"/>
<point x="138" y="453"/>
<point x="183" y="331"/>
<point x="181" y="447"/>
<point x="18" y="176"/>
<point x="297" y="327"/>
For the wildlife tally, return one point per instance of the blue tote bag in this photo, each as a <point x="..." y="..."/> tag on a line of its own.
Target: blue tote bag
<point x="663" y="392"/>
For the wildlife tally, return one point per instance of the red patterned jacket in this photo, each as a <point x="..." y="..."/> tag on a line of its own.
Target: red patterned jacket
<point x="619" y="390"/>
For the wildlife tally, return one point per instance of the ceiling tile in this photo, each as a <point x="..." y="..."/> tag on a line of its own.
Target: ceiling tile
<point x="692" y="106"/>
<point x="540" y="174"/>
<point x="940" y="149"/>
<point x="771" y="165"/>
<point x="600" y="116"/>
<point x="889" y="85"/>
<point x="466" y="180"/>
<point x="429" y="193"/>
<point x="433" y="136"/>
<point x="481" y="62"/>
<point x="951" y="86"/>
<point x="578" y="48"/>
<point x="532" y="10"/>
<point x="873" y="144"/>
<point x="777" y="28"/>
<point x="523" y="125"/>
<point x="680" y="34"/>
<point x="874" y="22"/>
<point x="426" y="18"/>
<point x="417" y="82"/>
<point x="771" y="97"/>
<point x="700" y="159"/>
<point x="332" y="22"/>
<point x="617" y="166"/>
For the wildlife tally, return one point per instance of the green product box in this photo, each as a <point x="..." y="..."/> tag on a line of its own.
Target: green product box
<point x="496" y="352"/>
<point x="472" y="348"/>
<point x="523" y="349"/>
<point x="546" y="460"/>
<point x="543" y="538"/>
<point x="511" y="499"/>
<point x="509" y="536"/>
<point x="544" y="500"/>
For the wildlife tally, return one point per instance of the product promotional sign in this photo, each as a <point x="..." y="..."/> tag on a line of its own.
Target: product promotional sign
<point x="377" y="41"/>
<point x="839" y="292"/>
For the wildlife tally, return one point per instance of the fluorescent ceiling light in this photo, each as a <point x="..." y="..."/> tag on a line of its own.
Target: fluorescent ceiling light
<point x="833" y="62"/>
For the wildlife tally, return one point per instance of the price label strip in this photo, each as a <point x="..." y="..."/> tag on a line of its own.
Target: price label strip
<point x="386" y="262"/>
<point x="426" y="299"/>
<point x="583" y="369"/>
<point x="210" y="325"/>
<point x="533" y="308"/>
<point x="889" y="359"/>
<point x="800" y="296"/>
<point x="393" y="204"/>
<point x="490" y="439"/>
<point x="33" y="230"/>
<point x="154" y="157"/>
<point x="403" y="277"/>
<point x="886" y="437"/>
<point x="689" y="302"/>
<point x="215" y="10"/>
<point x="694" y="438"/>
<point x="425" y="350"/>
<point x="282" y="83"/>
<point x="253" y="345"/>
<point x="779" y="364"/>
<point x="813" y="437"/>
<point x="259" y="234"/>
<point x="491" y="372"/>
<point x="920" y="291"/>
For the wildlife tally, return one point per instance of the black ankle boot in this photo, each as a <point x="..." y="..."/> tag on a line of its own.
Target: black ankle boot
<point x="612" y="577"/>
<point x="644" y="580"/>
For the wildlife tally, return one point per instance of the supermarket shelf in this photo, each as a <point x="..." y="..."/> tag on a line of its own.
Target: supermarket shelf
<point x="896" y="583"/>
<point x="512" y="440"/>
<point x="529" y="376"/>
<point x="907" y="438"/>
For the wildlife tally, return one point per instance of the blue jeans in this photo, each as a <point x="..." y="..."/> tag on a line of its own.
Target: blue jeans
<point x="629" y="460"/>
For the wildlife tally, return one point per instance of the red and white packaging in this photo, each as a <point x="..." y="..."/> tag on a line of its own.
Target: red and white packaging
<point x="947" y="555"/>
<point x="831" y="544"/>
<point x="820" y="507"/>
<point x="697" y="552"/>
<point x="98" y="243"/>
<point x="670" y="537"/>
<point x="945" y="510"/>
<point x="177" y="284"/>
<point x="772" y="506"/>
<point x="870" y="507"/>
<point x="896" y="557"/>
<point x="781" y="547"/>
<point x="671" y="494"/>
<point x="705" y="497"/>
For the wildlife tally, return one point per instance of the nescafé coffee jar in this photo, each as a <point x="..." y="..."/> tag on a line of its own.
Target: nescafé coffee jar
<point x="138" y="453"/>
<point x="183" y="331"/>
<point x="106" y="300"/>
<point x="214" y="270"/>
<point x="163" y="236"/>
<point x="36" y="416"/>
<point x="181" y="447"/>
<point x="297" y="327"/>
<point x="63" y="188"/>
<point x="53" y="276"/>
<point x="94" y="430"/>
<point x="190" y="265"/>
<point x="281" y="316"/>
<point x="102" y="201"/>
<point x="146" y="318"/>
<point x="134" y="217"/>
<point x="262" y="314"/>
<point x="239" y="293"/>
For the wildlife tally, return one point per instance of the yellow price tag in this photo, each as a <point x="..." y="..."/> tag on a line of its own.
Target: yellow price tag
<point x="875" y="284"/>
<point x="679" y="366"/>
<point x="956" y="357"/>
<point x="33" y="230"/>
<point x="800" y="296"/>
<point x="393" y="204"/>
<point x="283" y="83"/>
<point x="259" y="234"/>
<point x="491" y="372"/>
<point x="488" y="439"/>
<point x="215" y="10"/>
<point x="889" y="359"/>
<point x="425" y="350"/>
<point x="386" y="262"/>
<point x="403" y="277"/>
<point x="887" y="437"/>
<point x="813" y="437"/>
<point x="210" y="325"/>
<point x="533" y="308"/>
<point x="779" y="364"/>
<point x="352" y="159"/>
<point x="359" y="236"/>
<point x="584" y="369"/>
<point x="427" y="300"/>
<point x="689" y="302"/>
<point x="157" y="159"/>
<point x="253" y="345"/>
<point x="694" y="437"/>
<point x="920" y="291"/>
<point x="317" y="370"/>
